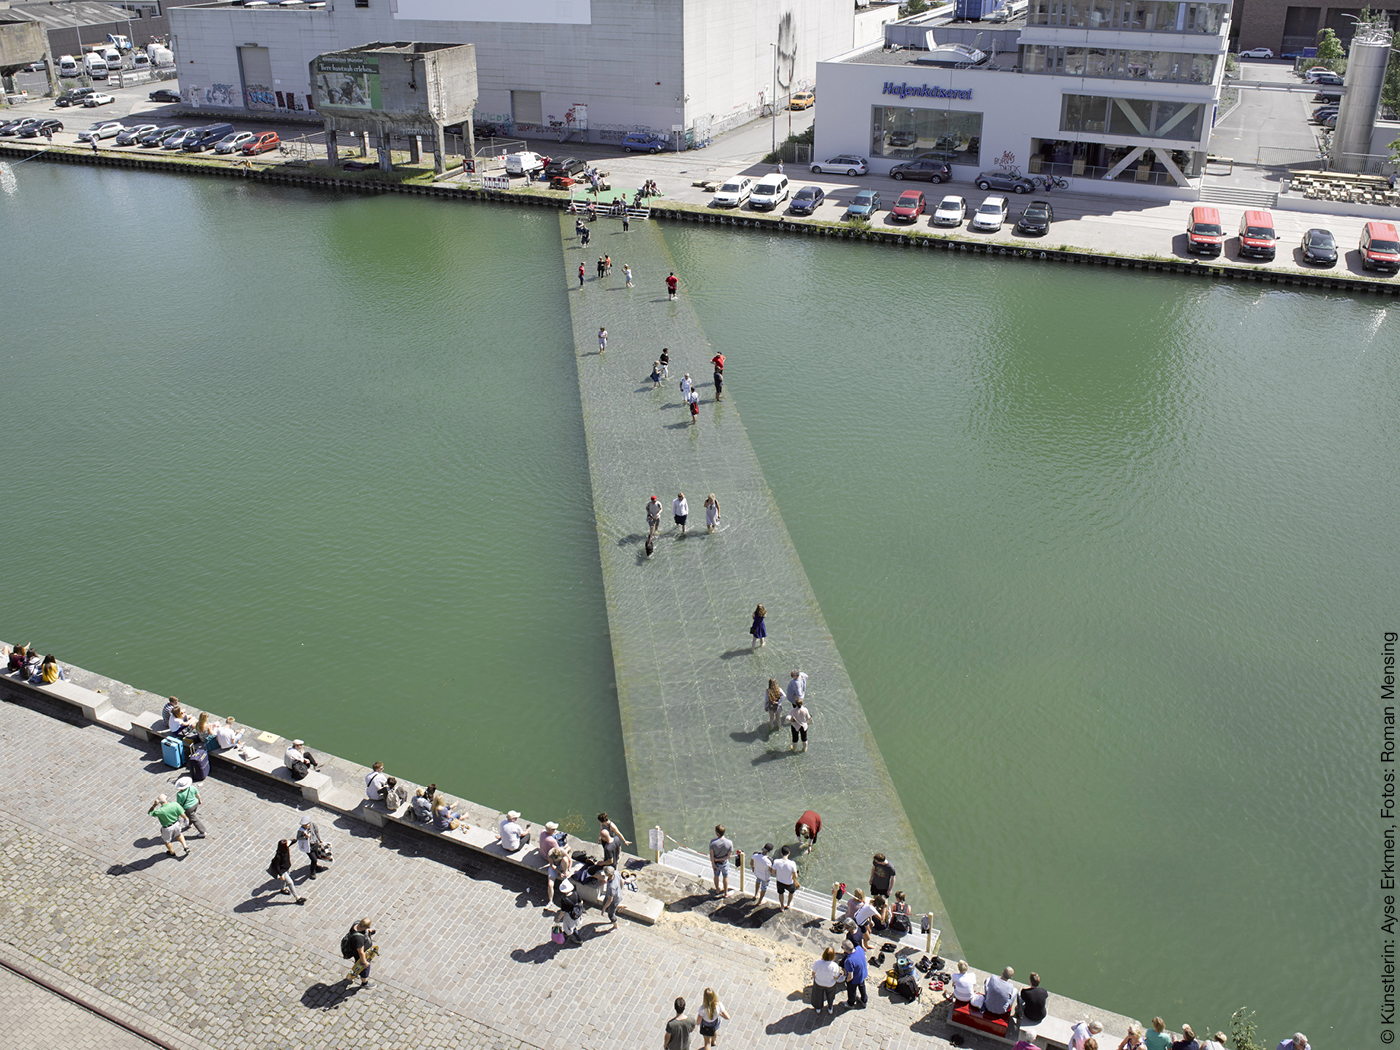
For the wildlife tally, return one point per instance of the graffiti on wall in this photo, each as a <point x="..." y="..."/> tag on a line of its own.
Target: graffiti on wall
<point x="219" y="95"/>
<point x="259" y="96"/>
<point x="1006" y="162"/>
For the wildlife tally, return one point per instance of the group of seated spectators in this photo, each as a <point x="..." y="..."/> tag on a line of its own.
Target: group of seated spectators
<point x="207" y="731"/>
<point x="26" y="664"/>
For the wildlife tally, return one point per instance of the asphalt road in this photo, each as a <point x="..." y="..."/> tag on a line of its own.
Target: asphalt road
<point x="1268" y="127"/>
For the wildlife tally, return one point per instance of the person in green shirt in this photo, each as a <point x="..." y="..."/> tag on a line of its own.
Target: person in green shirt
<point x="169" y="814"/>
<point x="187" y="795"/>
<point x="1157" y="1039"/>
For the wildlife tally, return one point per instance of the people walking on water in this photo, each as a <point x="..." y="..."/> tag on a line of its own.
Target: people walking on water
<point x="785" y="875"/>
<point x="602" y="269"/>
<point x="281" y="869"/>
<point x="665" y="363"/>
<point x="581" y="273"/>
<point x="720" y="850"/>
<point x="758" y="628"/>
<point x="309" y="841"/>
<point x="680" y="510"/>
<point x="796" y="687"/>
<point x="187" y="795"/>
<point x="711" y="1011"/>
<point x="711" y="512"/>
<point x="718" y="362"/>
<point x="602" y="339"/>
<point x="694" y="401"/>
<point x="607" y="265"/>
<point x="168" y="813"/>
<point x="672" y="281"/>
<point x="579" y="227"/>
<point x="685" y="386"/>
<point x="773" y="704"/>
<point x="626" y="216"/>
<point x="762" y="865"/>
<point x="655" y="374"/>
<point x="627" y="273"/>
<point x="882" y="875"/>
<point x="799" y="719"/>
<point x="586" y="234"/>
<point x="653" y="516"/>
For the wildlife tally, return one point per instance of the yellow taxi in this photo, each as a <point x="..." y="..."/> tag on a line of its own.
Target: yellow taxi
<point x="802" y="100"/>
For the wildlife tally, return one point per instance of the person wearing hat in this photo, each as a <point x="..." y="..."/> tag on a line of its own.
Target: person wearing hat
<point x="299" y="760"/>
<point x="309" y="842"/>
<point x="653" y="516"/>
<point x="188" y="797"/>
<point x="570" y="904"/>
<point x="549" y="839"/>
<point x="169" y="814"/>
<point x="513" y="836"/>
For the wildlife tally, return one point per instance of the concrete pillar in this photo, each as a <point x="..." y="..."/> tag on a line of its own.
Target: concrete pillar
<point x="469" y="137"/>
<point x="439" y="149"/>
<point x="381" y="142"/>
<point x="364" y="143"/>
<point x="415" y="147"/>
<point x="332" y="154"/>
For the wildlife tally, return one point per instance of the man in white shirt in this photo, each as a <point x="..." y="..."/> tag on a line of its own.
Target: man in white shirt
<point x="227" y="735"/>
<point x="797" y="687"/>
<point x="785" y="872"/>
<point x="685" y="387"/>
<point x="1082" y="1033"/>
<point x="680" y="510"/>
<point x="298" y="753"/>
<point x="762" y="864"/>
<point x="375" y="781"/>
<point x="513" y="836"/>
<point x="862" y="917"/>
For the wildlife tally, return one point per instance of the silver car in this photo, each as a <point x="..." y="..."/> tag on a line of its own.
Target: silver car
<point x="991" y="214"/>
<point x="845" y="164"/>
<point x="1004" y="180"/>
<point x="233" y="143"/>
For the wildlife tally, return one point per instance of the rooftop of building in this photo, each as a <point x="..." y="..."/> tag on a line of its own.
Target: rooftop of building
<point x="68" y="15"/>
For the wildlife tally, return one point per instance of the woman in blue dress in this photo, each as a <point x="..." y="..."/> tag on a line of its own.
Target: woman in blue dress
<point x="759" y="632"/>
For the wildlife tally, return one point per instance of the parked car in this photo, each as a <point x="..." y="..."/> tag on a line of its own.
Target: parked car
<point x="1035" y="220"/>
<point x="175" y="142"/>
<point x="107" y="130"/>
<point x="643" y="142"/>
<point x="900" y="139"/>
<point x="98" y="98"/>
<point x="261" y="142"/>
<point x="1320" y="247"/>
<point x="806" y="200"/>
<point x="1257" y="52"/>
<point x="47" y="126"/>
<point x="571" y="166"/>
<point x="734" y="192"/>
<point x="991" y="214"/>
<point x="1380" y="247"/>
<point x="15" y="127"/>
<point x="934" y="171"/>
<point x="844" y="164"/>
<point x="233" y="143"/>
<point x="1004" y="180"/>
<point x="74" y="96"/>
<point x="909" y="206"/>
<point x="1311" y="74"/>
<point x="158" y="137"/>
<point x="865" y="204"/>
<point x="803" y="100"/>
<point x="525" y="163"/>
<point x="207" y="138"/>
<point x="165" y="95"/>
<point x="1325" y="113"/>
<point x="1204" y="233"/>
<point x="951" y="211"/>
<point x="1326" y="77"/>
<point x="133" y="135"/>
<point x="770" y="191"/>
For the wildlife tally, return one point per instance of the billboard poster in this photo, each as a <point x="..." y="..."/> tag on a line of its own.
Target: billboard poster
<point x="348" y="81"/>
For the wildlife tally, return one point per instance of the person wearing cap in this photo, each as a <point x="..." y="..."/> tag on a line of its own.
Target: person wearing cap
<point x="309" y="842"/>
<point x="570" y="904"/>
<point x="762" y="865"/>
<point x="299" y="760"/>
<point x="187" y="795"/>
<point x="685" y="387"/>
<point x="653" y="516"/>
<point x="513" y="836"/>
<point x="169" y="814"/>
<point x="549" y="839"/>
<point x="612" y="894"/>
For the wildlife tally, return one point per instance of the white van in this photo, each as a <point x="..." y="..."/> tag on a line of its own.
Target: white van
<point x="771" y="191"/>
<point x="68" y="66"/>
<point x="95" y="66"/>
<point x="160" y="56"/>
<point x="525" y="163"/>
<point x="111" y="56"/>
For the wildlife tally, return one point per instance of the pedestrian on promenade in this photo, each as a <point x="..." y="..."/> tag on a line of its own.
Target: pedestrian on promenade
<point x="359" y="943"/>
<point x="796" y="687"/>
<point x="653" y="516"/>
<point x="718" y="362"/>
<point x="570" y="904"/>
<point x="605" y="822"/>
<point x="602" y="339"/>
<point x="376" y="780"/>
<point x="1157" y="1039"/>
<point x="655" y="374"/>
<point x="863" y="914"/>
<point x="758" y="629"/>
<point x="785" y="873"/>
<point x="694" y="400"/>
<point x="187" y="795"/>
<point x="678" y="1028"/>
<point x="882" y="875"/>
<point x="611" y="891"/>
<point x="826" y="971"/>
<point x="680" y="510"/>
<point x="601" y="268"/>
<point x="581" y="273"/>
<point x="856" y="973"/>
<point x="665" y="363"/>
<point x="720" y="850"/>
<point x="711" y="512"/>
<point x="773" y="704"/>
<point x="281" y="869"/>
<point x="299" y="760"/>
<point x="685" y="386"/>
<point x="309" y="841"/>
<point x="711" y="1012"/>
<point x="93" y="140"/>
<point x="514" y="837"/>
<point x="555" y="872"/>
<point x="671" y="282"/>
<point x="627" y="272"/>
<point x="169" y="814"/>
<point x="762" y="865"/>
<point x="808" y="827"/>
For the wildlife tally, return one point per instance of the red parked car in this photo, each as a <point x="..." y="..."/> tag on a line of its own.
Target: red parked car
<point x="910" y="206"/>
<point x="261" y="143"/>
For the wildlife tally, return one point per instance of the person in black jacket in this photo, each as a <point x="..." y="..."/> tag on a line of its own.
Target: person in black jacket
<point x="1033" y="1002"/>
<point x="281" y="868"/>
<point x="570" y="904"/>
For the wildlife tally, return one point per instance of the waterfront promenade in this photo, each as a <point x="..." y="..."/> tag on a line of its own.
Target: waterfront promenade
<point x="200" y="952"/>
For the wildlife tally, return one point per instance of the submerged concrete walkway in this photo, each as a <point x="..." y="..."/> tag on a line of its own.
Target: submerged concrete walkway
<point x="689" y="688"/>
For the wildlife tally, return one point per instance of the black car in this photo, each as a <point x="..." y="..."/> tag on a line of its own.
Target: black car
<point x="806" y="200"/>
<point x="9" y="127"/>
<point x="43" y="127"/>
<point x="903" y="138"/>
<point x="934" y="171"/>
<point x="164" y="95"/>
<point x="571" y="166"/>
<point x="74" y="97"/>
<point x="1320" y="247"/>
<point x="1036" y="219"/>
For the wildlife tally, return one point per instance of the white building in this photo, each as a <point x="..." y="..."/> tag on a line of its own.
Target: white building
<point x="583" y="69"/>
<point x="1118" y="95"/>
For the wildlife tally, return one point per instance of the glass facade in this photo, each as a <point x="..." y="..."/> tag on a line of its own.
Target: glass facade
<point x="953" y="136"/>
<point x="1139" y="117"/>
<point x="1147" y="16"/>
<point x="1170" y="66"/>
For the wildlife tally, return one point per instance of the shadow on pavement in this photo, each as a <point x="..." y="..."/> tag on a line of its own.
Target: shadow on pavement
<point x="322" y="996"/>
<point x="542" y="953"/>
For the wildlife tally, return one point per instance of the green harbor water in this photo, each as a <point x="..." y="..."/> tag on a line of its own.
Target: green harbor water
<point x="1108" y="557"/>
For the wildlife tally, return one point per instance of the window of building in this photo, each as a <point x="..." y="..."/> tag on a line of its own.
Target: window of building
<point x="1149" y="16"/>
<point x="1173" y="66"/>
<point x="526" y="107"/>
<point x="1135" y="117"/>
<point x="951" y="136"/>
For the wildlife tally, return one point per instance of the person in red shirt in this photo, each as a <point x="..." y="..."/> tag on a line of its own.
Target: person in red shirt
<point x="718" y="362"/>
<point x="809" y="826"/>
<point x="581" y="272"/>
<point x="671" y="282"/>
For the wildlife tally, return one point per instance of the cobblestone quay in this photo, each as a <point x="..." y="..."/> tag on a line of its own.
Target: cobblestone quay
<point x="689" y="687"/>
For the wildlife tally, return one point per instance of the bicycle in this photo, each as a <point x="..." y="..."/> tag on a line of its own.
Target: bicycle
<point x="1049" y="182"/>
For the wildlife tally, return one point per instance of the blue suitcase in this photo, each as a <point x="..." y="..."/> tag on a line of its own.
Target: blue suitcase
<point x="199" y="764"/>
<point x="172" y="749"/>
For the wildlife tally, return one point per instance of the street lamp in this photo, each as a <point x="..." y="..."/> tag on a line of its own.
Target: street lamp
<point x="774" y="101"/>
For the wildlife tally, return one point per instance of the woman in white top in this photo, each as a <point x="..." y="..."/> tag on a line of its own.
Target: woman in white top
<point x="825" y="973"/>
<point x="711" y="512"/>
<point x="964" y="985"/>
<point x="709" y="1017"/>
<point x="798" y="721"/>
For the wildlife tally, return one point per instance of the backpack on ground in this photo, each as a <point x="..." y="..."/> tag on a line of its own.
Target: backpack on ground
<point x="908" y="987"/>
<point x="347" y="944"/>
